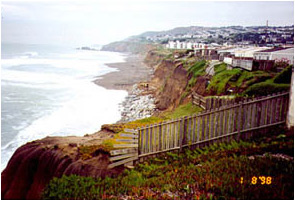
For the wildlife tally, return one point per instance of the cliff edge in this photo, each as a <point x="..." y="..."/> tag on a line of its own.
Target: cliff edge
<point x="34" y="164"/>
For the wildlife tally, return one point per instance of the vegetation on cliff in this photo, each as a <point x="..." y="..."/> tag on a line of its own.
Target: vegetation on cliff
<point x="179" y="73"/>
<point x="258" y="169"/>
<point x="280" y="82"/>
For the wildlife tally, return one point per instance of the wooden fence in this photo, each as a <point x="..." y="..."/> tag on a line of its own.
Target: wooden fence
<point x="228" y="122"/>
<point x="235" y="121"/>
<point x="209" y="103"/>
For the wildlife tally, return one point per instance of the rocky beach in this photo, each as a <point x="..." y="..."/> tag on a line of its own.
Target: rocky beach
<point x="137" y="105"/>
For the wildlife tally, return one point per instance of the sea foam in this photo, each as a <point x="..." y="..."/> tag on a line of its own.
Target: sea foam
<point x="56" y="95"/>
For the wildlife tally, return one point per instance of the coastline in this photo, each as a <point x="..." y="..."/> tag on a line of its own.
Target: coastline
<point x="73" y="154"/>
<point x="132" y="71"/>
<point x="132" y="75"/>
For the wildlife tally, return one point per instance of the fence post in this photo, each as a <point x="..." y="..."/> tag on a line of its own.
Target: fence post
<point x="151" y="147"/>
<point x="139" y="140"/>
<point x="239" y="120"/>
<point x="138" y="148"/>
<point x="141" y="147"/>
<point x="147" y="140"/>
<point x="181" y="134"/>
<point x="184" y="141"/>
<point x="207" y="103"/>
<point x="160" y="137"/>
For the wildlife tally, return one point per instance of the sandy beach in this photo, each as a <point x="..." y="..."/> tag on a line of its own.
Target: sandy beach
<point x="130" y="72"/>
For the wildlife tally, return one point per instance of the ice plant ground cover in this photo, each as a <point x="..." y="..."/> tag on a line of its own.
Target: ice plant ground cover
<point x="262" y="168"/>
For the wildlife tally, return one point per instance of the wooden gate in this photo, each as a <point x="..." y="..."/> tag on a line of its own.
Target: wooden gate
<point x="127" y="151"/>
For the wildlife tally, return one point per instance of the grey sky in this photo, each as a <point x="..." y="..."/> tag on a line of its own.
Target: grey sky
<point x="83" y="22"/>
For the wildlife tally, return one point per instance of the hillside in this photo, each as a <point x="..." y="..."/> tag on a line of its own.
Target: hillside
<point x="134" y="47"/>
<point x="220" y="35"/>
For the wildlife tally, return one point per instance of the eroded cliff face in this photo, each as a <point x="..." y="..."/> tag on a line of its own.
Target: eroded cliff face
<point x="170" y="80"/>
<point x="34" y="164"/>
<point x="173" y="83"/>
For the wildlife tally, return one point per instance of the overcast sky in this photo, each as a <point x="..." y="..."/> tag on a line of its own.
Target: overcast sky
<point x="85" y="22"/>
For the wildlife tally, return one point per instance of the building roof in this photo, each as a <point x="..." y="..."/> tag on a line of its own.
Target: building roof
<point x="285" y="51"/>
<point x="248" y="52"/>
<point x="273" y="49"/>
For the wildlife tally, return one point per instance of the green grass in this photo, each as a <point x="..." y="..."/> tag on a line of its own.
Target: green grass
<point x="280" y="82"/>
<point x="250" y="78"/>
<point x="194" y="70"/>
<point x="235" y="79"/>
<point x="143" y="122"/>
<point x="197" y="69"/>
<point x="212" y="172"/>
<point x="266" y="88"/>
<point x="219" y="81"/>
<point x="183" y="110"/>
<point x="219" y="68"/>
<point x="284" y="77"/>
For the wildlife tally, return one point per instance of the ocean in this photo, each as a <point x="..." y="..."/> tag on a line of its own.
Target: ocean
<point x="49" y="91"/>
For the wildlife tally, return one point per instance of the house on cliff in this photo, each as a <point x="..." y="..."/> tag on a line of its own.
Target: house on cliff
<point x="256" y="58"/>
<point x="276" y="54"/>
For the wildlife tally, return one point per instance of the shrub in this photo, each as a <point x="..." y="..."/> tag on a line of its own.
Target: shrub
<point x="284" y="76"/>
<point x="266" y="88"/>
